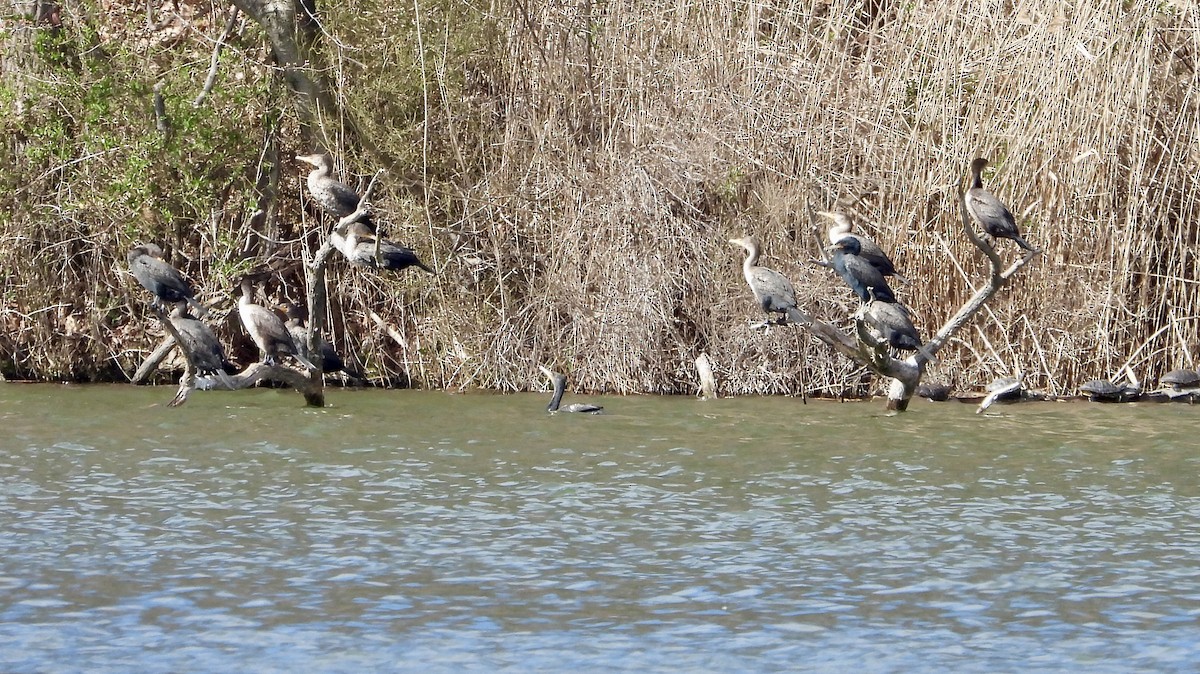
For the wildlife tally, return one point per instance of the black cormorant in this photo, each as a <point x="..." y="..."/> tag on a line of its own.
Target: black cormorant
<point x="988" y="211"/>
<point x="198" y="340"/>
<point x="160" y="278"/>
<point x="267" y="329"/>
<point x="863" y="278"/>
<point x="297" y="325"/>
<point x="772" y="290"/>
<point x="560" y="385"/>
<point x="358" y="245"/>
<point x="868" y="249"/>
<point x="894" y="322"/>
<point x="334" y="196"/>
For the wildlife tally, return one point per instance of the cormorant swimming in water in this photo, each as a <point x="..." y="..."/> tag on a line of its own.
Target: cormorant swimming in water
<point x="358" y="245"/>
<point x="332" y="195"/>
<point x="772" y="290"/>
<point x="863" y="278"/>
<point x="560" y="385"/>
<point x="266" y="329"/>
<point x="868" y="249"/>
<point x="198" y="340"/>
<point x="297" y="325"/>
<point x="988" y="211"/>
<point x="160" y="278"/>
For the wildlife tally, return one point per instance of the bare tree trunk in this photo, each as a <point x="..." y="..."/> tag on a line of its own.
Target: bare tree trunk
<point x="293" y="32"/>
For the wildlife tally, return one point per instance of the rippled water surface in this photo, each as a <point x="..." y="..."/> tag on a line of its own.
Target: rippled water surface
<point x="411" y="531"/>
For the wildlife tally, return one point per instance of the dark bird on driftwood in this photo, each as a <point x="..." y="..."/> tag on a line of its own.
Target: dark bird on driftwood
<point x="164" y="281"/>
<point x="267" y="329"/>
<point x="332" y="195"/>
<point x="894" y="322"/>
<point x="358" y="245"/>
<point x="863" y="278"/>
<point x="868" y="249"/>
<point x="989" y="212"/>
<point x="200" y="344"/>
<point x="297" y="325"/>
<point x="772" y="290"/>
<point x="560" y="385"/>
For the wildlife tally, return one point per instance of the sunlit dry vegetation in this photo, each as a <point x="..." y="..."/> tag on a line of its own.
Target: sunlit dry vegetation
<point x="574" y="172"/>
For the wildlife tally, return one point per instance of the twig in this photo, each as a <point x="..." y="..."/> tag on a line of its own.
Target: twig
<point x="216" y="55"/>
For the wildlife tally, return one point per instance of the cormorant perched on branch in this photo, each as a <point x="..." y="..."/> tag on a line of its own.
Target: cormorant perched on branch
<point x="297" y="325"/>
<point x="868" y="249"/>
<point x="160" y="278"/>
<point x="863" y="278"/>
<point x="200" y="344"/>
<point x="772" y="290"/>
<point x="266" y="329"/>
<point x="894" y="322"/>
<point x="358" y="245"/>
<point x="560" y="385"/>
<point x="988" y="211"/>
<point x="334" y="196"/>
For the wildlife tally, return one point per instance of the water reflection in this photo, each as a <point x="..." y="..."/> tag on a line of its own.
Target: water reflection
<point x="425" y="532"/>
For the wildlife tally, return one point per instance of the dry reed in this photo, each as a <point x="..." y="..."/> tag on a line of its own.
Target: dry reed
<point x="574" y="172"/>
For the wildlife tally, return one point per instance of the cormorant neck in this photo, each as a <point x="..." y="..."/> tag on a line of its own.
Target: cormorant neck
<point x="560" y="386"/>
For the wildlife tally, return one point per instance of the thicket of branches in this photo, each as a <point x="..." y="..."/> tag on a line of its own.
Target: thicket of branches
<point x="575" y="171"/>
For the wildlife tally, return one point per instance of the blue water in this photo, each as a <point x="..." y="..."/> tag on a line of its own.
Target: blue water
<point x="423" y="532"/>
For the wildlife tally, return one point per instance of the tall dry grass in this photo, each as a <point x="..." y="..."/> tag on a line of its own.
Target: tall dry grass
<point x="575" y="171"/>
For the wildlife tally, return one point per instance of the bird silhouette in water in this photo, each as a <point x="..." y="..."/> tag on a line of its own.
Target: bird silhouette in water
<point x="868" y="249"/>
<point x="560" y="385"/>
<point x="332" y="195"/>
<point x="163" y="281"/>
<point x="989" y="212"/>
<point x="863" y="278"/>
<point x="772" y="290"/>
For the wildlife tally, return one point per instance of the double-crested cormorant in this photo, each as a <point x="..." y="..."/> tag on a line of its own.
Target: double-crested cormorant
<point x="863" y="278"/>
<point x="297" y="325"/>
<point x="988" y="211"/>
<point x="161" y="279"/>
<point x="560" y="385"/>
<point x="198" y="340"/>
<point x="358" y="245"/>
<point x="332" y="195"/>
<point x="772" y="290"/>
<point x="267" y="329"/>
<point x="894" y="322"/>
<point x="868" y="249"/>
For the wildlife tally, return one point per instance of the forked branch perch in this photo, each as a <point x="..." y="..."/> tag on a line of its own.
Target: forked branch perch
<point x="871" y="353"/>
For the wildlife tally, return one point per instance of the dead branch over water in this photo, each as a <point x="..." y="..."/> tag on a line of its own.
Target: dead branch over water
<point x="575" y="173"/>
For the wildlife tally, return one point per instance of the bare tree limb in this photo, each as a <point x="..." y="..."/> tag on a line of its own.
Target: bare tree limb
<point x="216" y="57"/>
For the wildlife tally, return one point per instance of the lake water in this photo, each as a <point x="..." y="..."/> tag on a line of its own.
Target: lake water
<point x="401" y="531"/>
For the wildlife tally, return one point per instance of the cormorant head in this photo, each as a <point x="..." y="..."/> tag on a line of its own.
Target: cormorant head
<point x="321" y="160"/>
<point x="978" y="165"/>
<point x="750" y="243"/>
<point x="848" y="245"/>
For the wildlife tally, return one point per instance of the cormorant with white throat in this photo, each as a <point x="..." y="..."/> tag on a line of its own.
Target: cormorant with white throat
<point x="772" y="290"/>
<point x="267" y="329"/>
